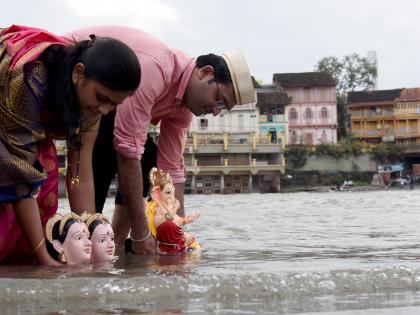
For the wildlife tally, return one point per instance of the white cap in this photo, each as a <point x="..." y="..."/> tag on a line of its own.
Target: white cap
<point x="241" y="77"/>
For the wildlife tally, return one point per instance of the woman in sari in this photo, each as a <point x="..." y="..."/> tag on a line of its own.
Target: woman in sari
<point x="52" y="89"/>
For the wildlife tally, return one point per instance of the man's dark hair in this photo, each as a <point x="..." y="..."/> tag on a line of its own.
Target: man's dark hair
<point x="221" y="71"/>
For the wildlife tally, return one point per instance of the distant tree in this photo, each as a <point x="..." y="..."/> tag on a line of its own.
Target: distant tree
<point x="352" y="72"/>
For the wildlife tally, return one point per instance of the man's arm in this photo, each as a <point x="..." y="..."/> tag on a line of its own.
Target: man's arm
<point x="173" y="135"/>
<point x="82" y="196"/>
<point x="131" y="186"/>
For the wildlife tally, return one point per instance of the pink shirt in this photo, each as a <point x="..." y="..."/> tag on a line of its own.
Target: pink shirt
<point x="165" y="73"/>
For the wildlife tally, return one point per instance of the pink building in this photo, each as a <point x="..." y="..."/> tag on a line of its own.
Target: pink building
<point x="312" y="112"/>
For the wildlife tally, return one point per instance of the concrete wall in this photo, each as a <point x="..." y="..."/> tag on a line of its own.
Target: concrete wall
<point x="362" y="163"/>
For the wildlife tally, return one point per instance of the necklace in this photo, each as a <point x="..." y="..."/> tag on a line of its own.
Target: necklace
<point x="74" y="181"/>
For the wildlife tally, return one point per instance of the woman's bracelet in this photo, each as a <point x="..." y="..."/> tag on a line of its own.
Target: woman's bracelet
<point x="38" y="246"/>
<point x="143" y="239"/>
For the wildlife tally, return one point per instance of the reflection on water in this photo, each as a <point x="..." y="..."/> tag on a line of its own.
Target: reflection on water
<point x="271" y="254"/>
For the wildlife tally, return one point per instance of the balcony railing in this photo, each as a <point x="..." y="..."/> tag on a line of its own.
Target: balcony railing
<point x="372" y="132"/>
<point x="239" y="144"/>
<point x="390" y="113"/>
<point x="387" y="131"/>
<point x="227" y="169"/>
<point x="356" y="114"/>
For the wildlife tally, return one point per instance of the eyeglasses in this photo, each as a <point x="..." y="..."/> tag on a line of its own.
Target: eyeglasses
<point x="220" y="103"/>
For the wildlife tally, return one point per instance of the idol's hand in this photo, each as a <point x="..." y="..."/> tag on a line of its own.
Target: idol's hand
<point x="191" y="217"/>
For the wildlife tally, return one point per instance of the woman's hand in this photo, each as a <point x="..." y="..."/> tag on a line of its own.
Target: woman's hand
<point x="27" y="215"/>
<point x="45" y="259"/>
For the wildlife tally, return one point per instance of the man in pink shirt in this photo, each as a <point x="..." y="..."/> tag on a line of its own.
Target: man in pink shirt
<point x="174" y="87"/>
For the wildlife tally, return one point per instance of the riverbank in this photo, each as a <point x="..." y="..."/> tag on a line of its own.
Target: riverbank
<point x="323" y="188"/>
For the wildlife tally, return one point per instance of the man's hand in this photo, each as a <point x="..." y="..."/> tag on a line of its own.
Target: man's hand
<point x="146" y="247"/>
<point x="131" y="185"/>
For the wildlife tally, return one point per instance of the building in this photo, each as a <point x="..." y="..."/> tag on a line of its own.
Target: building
<point x="229" y="155"/>
<point x="272" y="122"/>
<point x="385" y="115"/>
<point x="407" y="117"/>
<point x="312" y="112"/>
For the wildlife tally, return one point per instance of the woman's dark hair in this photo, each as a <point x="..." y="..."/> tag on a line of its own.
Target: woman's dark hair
<point x="107" y="61"/>
<point x="59" y="237"/>
<point x="93" y="226"/>
<point x="221" y="70"/>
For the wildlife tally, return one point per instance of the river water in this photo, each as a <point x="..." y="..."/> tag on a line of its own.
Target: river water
<point x="294" y="253"/>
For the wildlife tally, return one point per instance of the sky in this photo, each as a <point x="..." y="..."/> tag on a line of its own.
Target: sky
<point x="276" y="36"/>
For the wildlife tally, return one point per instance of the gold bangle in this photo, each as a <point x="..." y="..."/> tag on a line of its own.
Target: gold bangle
<point x="38" y="246"/>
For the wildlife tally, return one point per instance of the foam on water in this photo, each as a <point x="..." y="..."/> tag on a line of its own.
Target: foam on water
<point x="263" y="285"/>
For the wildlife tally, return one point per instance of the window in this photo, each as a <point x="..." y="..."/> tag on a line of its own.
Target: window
<point x="324" y="112"/>
<point x="222" y="122"/>
<point x="241" y="121"/>
<point x="293" y="138"/>
<point x="309" y="138"/>
<point x="204" y="123"/>
<point x="279" y="110"/>
<point x="293" y="114"/>
<point x="324" y="137"/>
<point x="306" y="94"/>
<point x="308" y="113"/>
<point x="323" y="94"/>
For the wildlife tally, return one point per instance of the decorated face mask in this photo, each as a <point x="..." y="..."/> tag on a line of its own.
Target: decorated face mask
<point x="103" y="246"/>
<point x="77" y="247"/>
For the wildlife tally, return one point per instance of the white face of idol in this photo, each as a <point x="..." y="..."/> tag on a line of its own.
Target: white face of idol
<point x="77" y="246"/>
<point x="168" y="194"/>
<point x="103" y="245"/>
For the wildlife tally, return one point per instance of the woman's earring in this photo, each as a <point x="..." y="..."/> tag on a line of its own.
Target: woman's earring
<point x="62" y="257"/>
<point x="75" y="79"/>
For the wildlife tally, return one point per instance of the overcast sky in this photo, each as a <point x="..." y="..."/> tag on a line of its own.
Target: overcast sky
<point x="275" y="35"/>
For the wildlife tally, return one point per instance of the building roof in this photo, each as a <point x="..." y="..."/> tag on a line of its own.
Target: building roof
<point x="304" y="79"/>
<point x="410" y="95"/>
<point x="270" y="95"/>
<point x="373" y="96"/>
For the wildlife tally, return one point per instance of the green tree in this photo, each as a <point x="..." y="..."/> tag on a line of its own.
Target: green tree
<point x="352" y="72"/>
